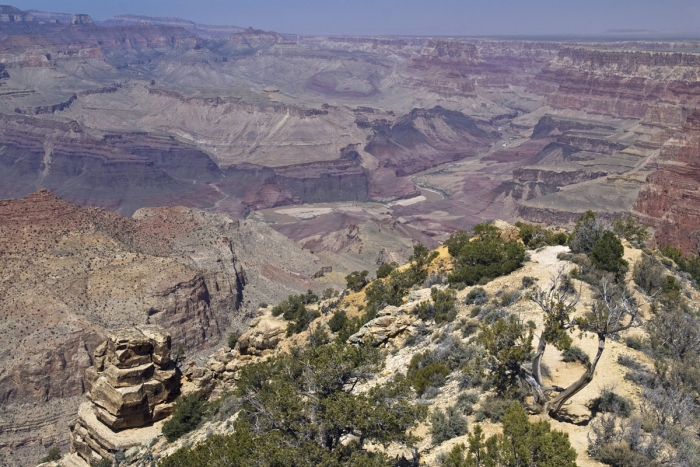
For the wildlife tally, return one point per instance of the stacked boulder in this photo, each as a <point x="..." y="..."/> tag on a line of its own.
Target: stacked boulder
<point x="132" y="384"/>
<point x="260" y="340"/>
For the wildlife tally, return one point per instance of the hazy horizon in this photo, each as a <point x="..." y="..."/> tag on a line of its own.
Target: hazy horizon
<point x="407" y="17"/>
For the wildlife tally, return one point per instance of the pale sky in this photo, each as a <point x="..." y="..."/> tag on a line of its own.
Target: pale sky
<point x="406" y="17"/>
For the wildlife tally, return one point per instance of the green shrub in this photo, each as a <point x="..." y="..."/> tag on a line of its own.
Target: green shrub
<point x="586" y="234"/>
<point x="575" y="354"/>
<point x="447" y="425"/>
<point x="523" y="443"/>
<point x="424" y="373"/>
<point x="492" y="408"/>
<point x="53" y="455"/>
<point x="104" y="463"/>
<point x="508" y="298"/>
<point x="609" y="402"/>
<point x="636" y="343"/>
<point x="607" y="254"/>
<point x="465" y="402"/>
<point x="486" y="257"/>
<point x="528" y="282"/>
<point x="279" y="397"/>
<point x="689" y="264"/>
<point x="648" y="274"/>
<point x="233" y="339"/>
<point x="630" y="229"/>
<point x="189" y="412"/>
<point x="288" y="307"/>
<point x="535" y="236"/>
<point x="670" y="286"/>
<point x="619" y="454"/>
<point x="338" y="320"/>
<point x="357" y="281"/>
<point x="385" y="269"/>
<point x="476" y="296"/>
<point x="444" y="302"/>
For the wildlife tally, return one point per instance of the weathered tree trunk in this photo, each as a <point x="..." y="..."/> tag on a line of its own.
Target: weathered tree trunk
<point x="556" y="404"/>
<point x="537" y="361"/>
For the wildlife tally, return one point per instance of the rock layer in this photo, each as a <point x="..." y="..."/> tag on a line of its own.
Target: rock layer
<point x="131" y="385"/>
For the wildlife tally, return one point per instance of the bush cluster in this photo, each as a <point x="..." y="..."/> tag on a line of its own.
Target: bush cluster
<point x="294" y="310"/>
<point x="424" y="372"/>
<point x="385" y="269"/>
<point x="447" y="424"/>
<point x="523" y="443"/>
<point x="575" y="354"/>
<point x="477" y="296"/>
<point x="189" y="412"/>
<point x="535" y="236"/>
<point x="357" y="281"/>
<point x="442" y="309"/>
<point x="299" y="409"/>
<point x="609" y="402"/>
<point x="483" y="257"/>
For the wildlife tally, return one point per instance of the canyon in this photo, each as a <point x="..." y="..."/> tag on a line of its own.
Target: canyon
<point x="160" y="171"/>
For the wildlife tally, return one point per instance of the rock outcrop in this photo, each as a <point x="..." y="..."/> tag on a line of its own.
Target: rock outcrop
<point x="131" y="385"/>
<point x="81" y="19"/>
<point x="390" y="322"/>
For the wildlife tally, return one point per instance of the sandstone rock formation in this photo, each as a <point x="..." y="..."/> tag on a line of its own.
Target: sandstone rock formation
<point x="131" y="385"/>
<point x="390" y="322"/>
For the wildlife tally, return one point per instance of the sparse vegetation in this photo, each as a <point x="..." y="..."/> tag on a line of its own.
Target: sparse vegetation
<point x="610" y="402"/>
<point x="649" y="274"/>
<point x="233" y="339"/>
<point x="477" y="296"/>
<point x="424" y="372"/>
<point x="294" y="310"/>
<point x="535" y="236"/>
<point x="385" y="269"/>
<point x="523" y="443"/>
<point x="300" y="408"/>
<point x="483" y="257"/>
<point x="576" y="354"/>
<point x="189" y="412"/>
<point x="53" y="455"/>
<point x="447" y="424"/>
<point x="632" y="230"/>
<point x="508" y="342"/>
<point x="357" y="281"/>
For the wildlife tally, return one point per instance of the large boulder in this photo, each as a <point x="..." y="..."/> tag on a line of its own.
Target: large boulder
<point x="390" y="322"/>
<point x="264" y="334"/>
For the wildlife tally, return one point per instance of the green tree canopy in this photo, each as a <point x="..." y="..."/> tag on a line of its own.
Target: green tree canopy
<point x="301" y="409"/>
<point x="486" y="255"/>
<point x="607" y="254"/>
<point x="522" y="444"/>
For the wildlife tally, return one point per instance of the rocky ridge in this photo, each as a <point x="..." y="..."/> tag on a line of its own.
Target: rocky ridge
<point x="70" y="274"/>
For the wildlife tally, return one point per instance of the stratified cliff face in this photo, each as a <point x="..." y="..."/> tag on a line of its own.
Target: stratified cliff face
<point x="670" y="200"/>
<point x="654" y="86"/>
<point x="121" y="172"/>
<point x="70" y="273"/>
